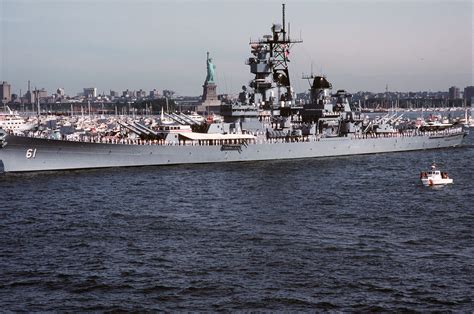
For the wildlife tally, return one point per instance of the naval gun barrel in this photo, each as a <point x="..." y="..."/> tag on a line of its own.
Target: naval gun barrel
<point x="175" y="118"/>
<point x="144" y="129"/>
<point x="131" y="128"/>
<point x="187" y="119"/>
<point x="397" y="118"/>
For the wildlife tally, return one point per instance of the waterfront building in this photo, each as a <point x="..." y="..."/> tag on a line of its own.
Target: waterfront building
<point x="41" y="94"/>
<point x="141" y="94"/>
<point x="454" y="93"/>
<point x="90" y="92"/>
<point x="129" y="94"/>
<point x="154" y="93"/>
<point x="469" y="94"/>
<point x="5" y="92"/>
<point x="29" y="97"/>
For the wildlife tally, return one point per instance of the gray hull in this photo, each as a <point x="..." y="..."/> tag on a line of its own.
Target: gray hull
<point x="32" y="154"/>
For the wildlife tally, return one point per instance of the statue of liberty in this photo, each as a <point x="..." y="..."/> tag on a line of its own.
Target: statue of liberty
<point x="210" y="70"/>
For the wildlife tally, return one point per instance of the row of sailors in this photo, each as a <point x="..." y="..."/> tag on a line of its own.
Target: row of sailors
<point x="408" y="133"/>
<point x="257" y="140"/>
<point x="126" y="141"/>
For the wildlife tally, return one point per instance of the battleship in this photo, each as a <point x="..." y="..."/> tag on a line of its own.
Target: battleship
<point x="264" y="123"/>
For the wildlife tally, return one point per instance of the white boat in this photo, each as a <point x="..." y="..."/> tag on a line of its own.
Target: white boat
<point x="435" y="177"/>
<point x="13" y="122"/>
<point x="196" y="117"/>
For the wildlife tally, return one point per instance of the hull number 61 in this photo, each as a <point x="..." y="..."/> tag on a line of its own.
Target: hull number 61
<point x="31" y="153"/>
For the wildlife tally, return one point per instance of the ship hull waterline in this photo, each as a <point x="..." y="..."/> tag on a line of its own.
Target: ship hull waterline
<point x="22" y="154"/>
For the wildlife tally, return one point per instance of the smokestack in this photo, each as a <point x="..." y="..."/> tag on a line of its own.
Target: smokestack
<point x="29" y="85"/>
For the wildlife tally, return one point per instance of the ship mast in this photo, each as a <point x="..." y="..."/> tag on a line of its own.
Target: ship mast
<point x="283" y="19"/>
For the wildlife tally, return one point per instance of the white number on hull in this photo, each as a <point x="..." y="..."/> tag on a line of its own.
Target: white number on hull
<point x="30" y="153"/>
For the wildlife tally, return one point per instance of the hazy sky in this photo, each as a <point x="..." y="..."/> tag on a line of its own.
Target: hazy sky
<point x="359" y="45"/>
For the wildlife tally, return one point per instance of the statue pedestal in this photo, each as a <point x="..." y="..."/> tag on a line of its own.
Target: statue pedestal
<point x="209" y="92"/>
<point x="209" y="103"/>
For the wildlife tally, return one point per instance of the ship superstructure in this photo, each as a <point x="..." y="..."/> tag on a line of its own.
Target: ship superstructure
<point x="270" y="93"/>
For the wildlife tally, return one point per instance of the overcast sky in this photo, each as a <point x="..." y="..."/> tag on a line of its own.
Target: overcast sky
<point x="359" y="45"/>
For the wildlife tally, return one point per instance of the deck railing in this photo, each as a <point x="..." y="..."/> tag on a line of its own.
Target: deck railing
<point x="260" y="138"/>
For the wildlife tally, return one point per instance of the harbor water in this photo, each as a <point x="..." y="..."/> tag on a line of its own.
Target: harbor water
<point x="355" y="233"/>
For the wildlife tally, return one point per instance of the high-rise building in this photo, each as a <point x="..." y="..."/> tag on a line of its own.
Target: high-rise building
<point x="41" y="94"/>
<point x="141" y="93"/>
<point x="469" y="94"/>
<point x="5" y="92"/>
<point x="454" y="93"/>
<point x="29" y="96"/>
<point x="154" y="93"/>
<point x="90" y="92"/>
<point x="129" y="93"/>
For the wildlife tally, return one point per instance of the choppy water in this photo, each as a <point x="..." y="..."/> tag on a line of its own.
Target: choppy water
<point x="355" y="233"/>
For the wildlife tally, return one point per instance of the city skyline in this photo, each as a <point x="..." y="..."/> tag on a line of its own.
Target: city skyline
<point x="366" y="45"/>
